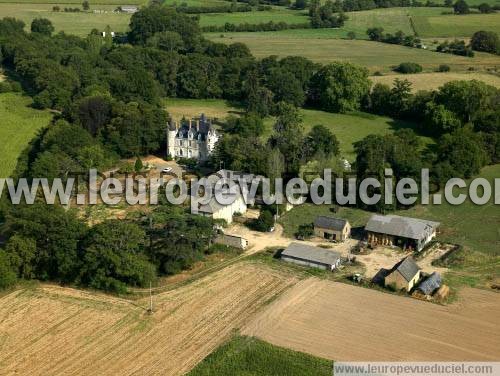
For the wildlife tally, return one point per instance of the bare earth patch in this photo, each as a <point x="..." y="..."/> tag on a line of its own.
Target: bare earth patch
<point x="343" y="322"/>
<point x="61" y="331"/>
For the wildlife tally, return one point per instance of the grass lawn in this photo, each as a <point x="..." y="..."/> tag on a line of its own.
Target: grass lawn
<point x="252" y="357"/>
<point x="432" y="81"/>
<point x="80" y="23"/>
<point x="318" y="46"/>
<point x="276" y="15"/>
<point x="18" y="126"/>
<point x="348" y="128"/>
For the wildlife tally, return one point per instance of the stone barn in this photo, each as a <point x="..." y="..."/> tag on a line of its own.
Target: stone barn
<point x="404" y="275"/>
<point x="332" y="228"/>
<point x="404" y="232"/>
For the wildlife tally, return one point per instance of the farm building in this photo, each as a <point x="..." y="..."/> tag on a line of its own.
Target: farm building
<point x="332" y="228"/>
<point x="235" y="200"/>
<point x="232" y="241"/>
<point x="216" y="210"/>
<point x="129" y="9"/>
<point x="307" y="255"/>
<point x="404" y="232"/>
<point x="430" y="284"/>
<point x="404" y="275"/>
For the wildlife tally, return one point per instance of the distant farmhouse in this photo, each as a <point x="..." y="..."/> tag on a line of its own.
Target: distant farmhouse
<point x="405" y="232"/>
<point x="194" y="138"/>
<point x="332" y="228"/>
<point x="404" y="275"/>
<point x="128" y="9"/>
<point x="307" y="255"/>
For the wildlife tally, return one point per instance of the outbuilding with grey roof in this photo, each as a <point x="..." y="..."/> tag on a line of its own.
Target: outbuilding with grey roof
<point x="308" y="255"/>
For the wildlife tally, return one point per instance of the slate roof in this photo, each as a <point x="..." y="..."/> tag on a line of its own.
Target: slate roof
<point x="431" y="284"/>
<point x="336" y="224"/>
<point x="407" y="268"/>
<point x="404" y="227"/>
<point x="310" y="253"/>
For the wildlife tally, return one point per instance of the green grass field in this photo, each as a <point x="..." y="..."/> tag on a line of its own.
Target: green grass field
<point x="321" y="47"/>
<point x="252" y="357"/>
<point x="350" y="128"/>
<point x="196" y="3"/>
<point x="80" y="23"/>
<point x="276" y="15"/>
<point x="455" y="25"/>
<point x="18" y="125"/>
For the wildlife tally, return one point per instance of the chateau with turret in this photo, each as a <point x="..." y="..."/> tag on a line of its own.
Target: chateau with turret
<point x="193" y="138"/>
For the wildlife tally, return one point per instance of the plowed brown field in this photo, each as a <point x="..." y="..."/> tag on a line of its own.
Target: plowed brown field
<point x="342" y="322"/>
<point x="59" y="331"/>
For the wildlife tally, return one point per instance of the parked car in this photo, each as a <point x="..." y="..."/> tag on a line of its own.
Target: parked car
<point x="166" y="169"/>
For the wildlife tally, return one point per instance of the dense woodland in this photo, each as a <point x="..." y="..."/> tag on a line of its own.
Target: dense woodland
<point x="107" y="96"/>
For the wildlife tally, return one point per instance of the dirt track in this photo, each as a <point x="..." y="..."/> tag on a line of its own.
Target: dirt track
<point x="57" y="331"/>
<point x="343" y="322"/>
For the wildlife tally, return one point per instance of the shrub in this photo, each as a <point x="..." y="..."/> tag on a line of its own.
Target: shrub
<point x="485" y="8"/>
<point x="406" y="68"/>
<point x="305" y="231"/>
<point x="138" y="166"/>
<point x="486" y="41"/>
<point x="444" y="68"/>
<point x="351" y="35"/>
<point x="5" y="87"/>
<point x="7" y="273"/>
<point x="16" y="87"/>
<point x="461" y="7"/>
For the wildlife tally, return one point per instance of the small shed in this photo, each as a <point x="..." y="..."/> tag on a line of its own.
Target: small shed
<point x="235" y="241"/>
<point x="308" y="255"/>
<point x="430" y="284"/>
<point x="332" y="228"/>
<point x="404" y="275"/>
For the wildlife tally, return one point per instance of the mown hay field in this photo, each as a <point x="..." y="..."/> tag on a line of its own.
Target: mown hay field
<point x="349" y="323"/>
<point x="18" y="125"/>
<point x="61" y="331"/>
<point x="213" y="108"/>
<point x="433" y="81"/>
